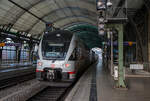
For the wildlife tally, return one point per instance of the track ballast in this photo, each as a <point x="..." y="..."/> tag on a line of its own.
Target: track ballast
<point x="49" y="94"/>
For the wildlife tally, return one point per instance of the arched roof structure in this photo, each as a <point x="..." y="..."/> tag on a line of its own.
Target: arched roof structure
<point x="29" y="16"/>
<point x="60" y="12"/>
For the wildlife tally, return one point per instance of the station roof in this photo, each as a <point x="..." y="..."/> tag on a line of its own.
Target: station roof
<point x="63" y="13"/>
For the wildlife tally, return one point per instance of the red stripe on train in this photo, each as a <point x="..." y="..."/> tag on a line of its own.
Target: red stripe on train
<point x="72" y="72"/>
<point x="39" y="70"/>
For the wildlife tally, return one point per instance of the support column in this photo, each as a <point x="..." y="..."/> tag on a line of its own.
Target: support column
<point x="30" y="55"/>
<point x="149" y="36"/>
<point x="31" y="51"/>
<point x="112" y="55"/>
<point x="0" y="55"/>
<point x="120" y="82"/>
<point x="18" y="54"/>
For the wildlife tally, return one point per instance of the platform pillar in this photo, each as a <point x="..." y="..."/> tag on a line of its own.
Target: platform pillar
<point x="120" y="82"/>
<point x="18" y="54"/>
<point x="0" y="55"/>
<point x="149" y="36"/>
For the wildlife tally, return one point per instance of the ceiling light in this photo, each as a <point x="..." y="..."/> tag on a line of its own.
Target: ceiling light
<point x="101" y="5"/>
<point x="101" y="32"/>
<point x="101" y="19"/>
<point x="46" y="32"/>
<point x="101" y="26"/>
<point x="58" y="35"/>
<point x="109" y="4"/>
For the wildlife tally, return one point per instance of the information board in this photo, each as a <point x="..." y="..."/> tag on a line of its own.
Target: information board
<point x="136" y="66"/>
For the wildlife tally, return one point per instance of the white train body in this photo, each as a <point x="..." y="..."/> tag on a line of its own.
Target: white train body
<point x="62" y="56"/>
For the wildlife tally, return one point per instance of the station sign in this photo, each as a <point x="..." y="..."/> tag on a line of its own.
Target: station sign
<point x="10" y="44"/>
<point x="126" y="43"/>
<point x="2" y="44"/>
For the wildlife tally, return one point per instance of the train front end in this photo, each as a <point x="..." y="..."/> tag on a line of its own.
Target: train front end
<point x="55" y="71"/>
<point x="52" y="64"/>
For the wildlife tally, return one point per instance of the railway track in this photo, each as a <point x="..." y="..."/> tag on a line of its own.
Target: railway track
<point x="15" y="80"/>
<point x="50" y="94"/>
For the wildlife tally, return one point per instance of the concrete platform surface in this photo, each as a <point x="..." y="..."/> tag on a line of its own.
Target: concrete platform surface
<point x="139" y="88"/>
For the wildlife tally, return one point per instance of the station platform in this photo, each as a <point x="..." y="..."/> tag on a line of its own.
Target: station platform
<point x="17" y="70"/>
<point x="97" y="84"/>
<point x="14" y="65"/>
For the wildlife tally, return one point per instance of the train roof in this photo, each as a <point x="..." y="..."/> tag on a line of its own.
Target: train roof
<point x="57" y="35"/>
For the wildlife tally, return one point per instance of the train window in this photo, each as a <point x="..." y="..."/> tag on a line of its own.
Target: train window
<point x="78" y="53"/>
<point x="36" y="55"/>
<point x="54" y="50"/>
<point x="73" y="55"/>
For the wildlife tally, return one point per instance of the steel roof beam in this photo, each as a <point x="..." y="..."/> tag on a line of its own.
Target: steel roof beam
<point x="72" y="8"/>
<point x="27" y="11"/>
<point x="120" y="4"/>
<point x="77" y="16"/>
<point x="28" y="8"/>
<point x="54" y="11"/>
<point x="10" y="34"/>
<point x="70" y="25"/>
<point x="147" y="3"/>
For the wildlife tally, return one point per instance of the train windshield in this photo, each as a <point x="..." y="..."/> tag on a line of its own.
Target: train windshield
<point x="54" y="50"/>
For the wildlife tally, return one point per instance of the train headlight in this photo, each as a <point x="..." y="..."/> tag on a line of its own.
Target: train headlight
<point x="58" y="35"/>
<point x="67" y="65"/>
<point x="40" y="63"/>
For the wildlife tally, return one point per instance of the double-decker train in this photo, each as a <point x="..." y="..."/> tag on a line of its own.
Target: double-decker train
<point x="62" y="56"/>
